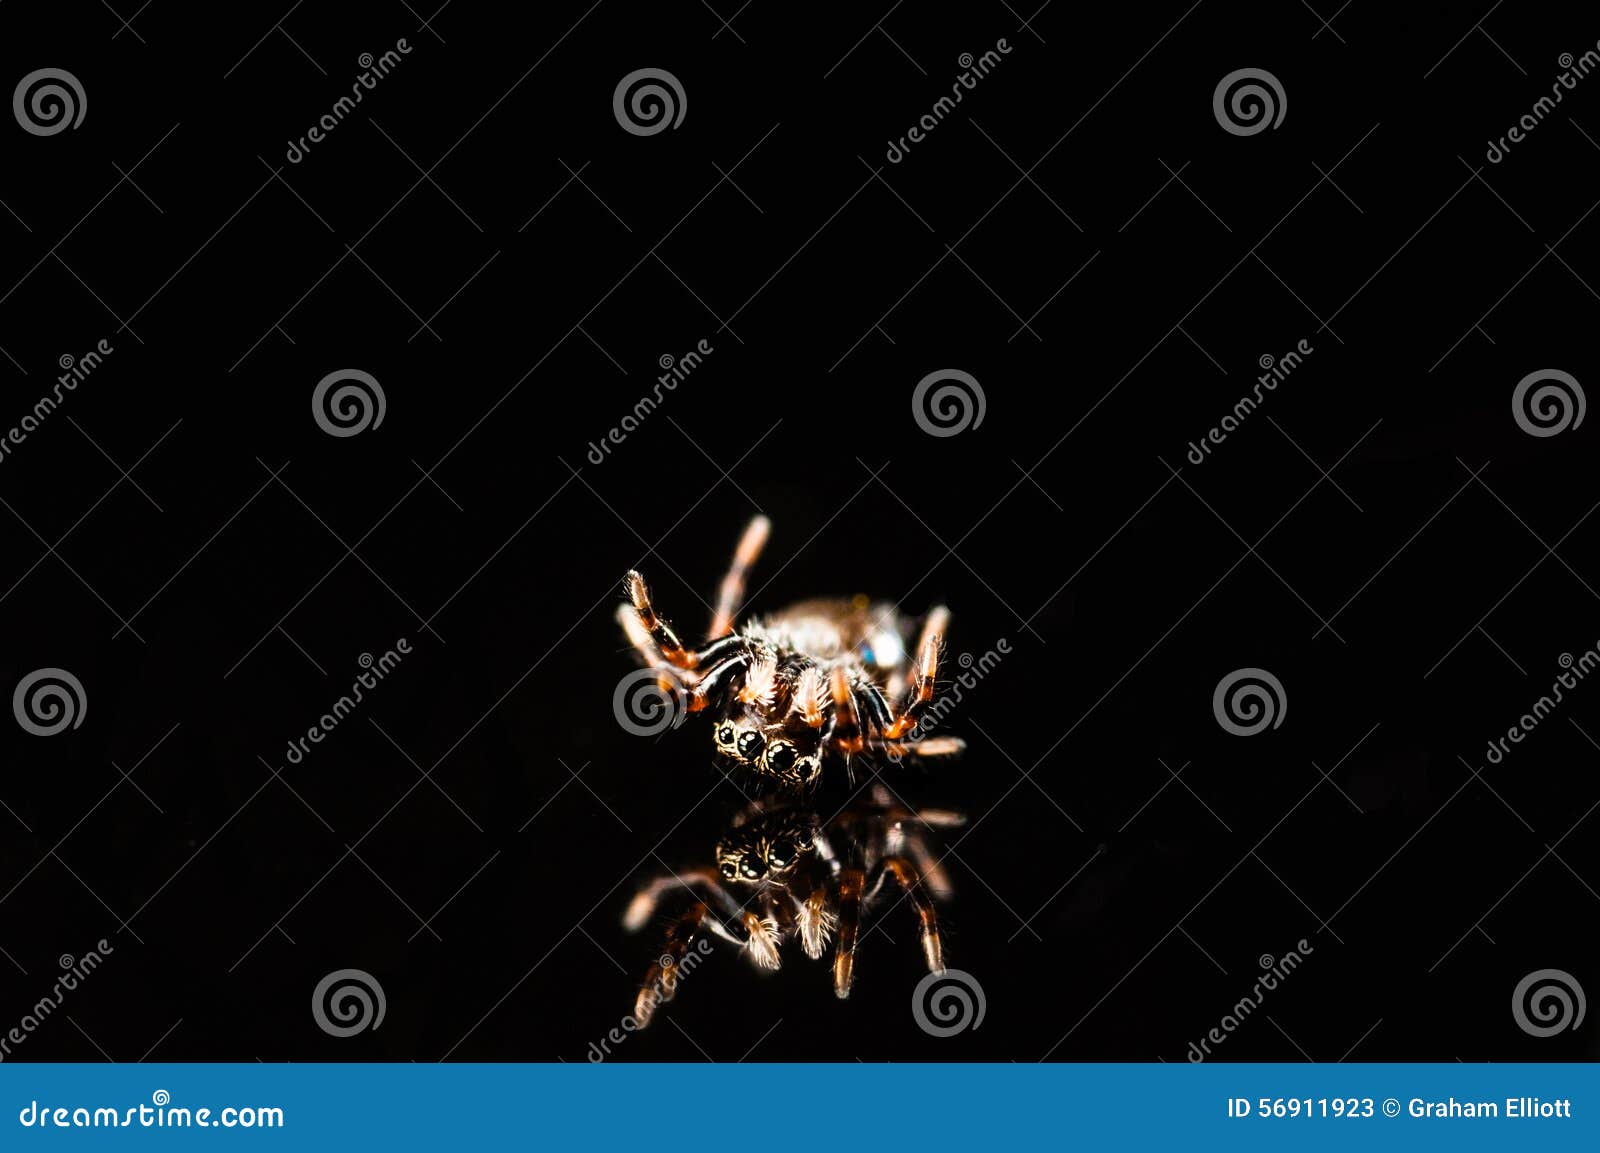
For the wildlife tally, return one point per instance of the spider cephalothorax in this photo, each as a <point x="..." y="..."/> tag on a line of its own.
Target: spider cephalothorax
<point x="786" y="874"/>
<point x="823" y="677"/>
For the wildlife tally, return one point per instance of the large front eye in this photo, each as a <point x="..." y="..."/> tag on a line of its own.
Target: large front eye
<point x="781" y="756"/>
<point x="729" y="870"/>
<point x="750" y="745"/>
<point x="753" y="867"/>
<point x="806" y="768"/>
<point x="781" y="853"/>
<point x="725" y="735"/>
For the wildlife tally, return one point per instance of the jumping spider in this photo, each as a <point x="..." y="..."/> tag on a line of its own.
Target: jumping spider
<point x="816" y="678"/>
<point x="796" y="877"/>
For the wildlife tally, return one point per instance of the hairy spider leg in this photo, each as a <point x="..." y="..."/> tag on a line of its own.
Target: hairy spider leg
<point x="731" y="591"/>
<point x="709" y="669"/>
<point x="664" y="640"/>
<point x="851" y="882"/>
<point x="660" y="981"/>
<point x="927" y="674"/>
<point x="905" y="874"/>
<point x="932" y="747"/>
<point x="930" y="867"/>
<point x="846" y="735"/>
<point x="718" y="678"/>
<point x="645" y="902"/>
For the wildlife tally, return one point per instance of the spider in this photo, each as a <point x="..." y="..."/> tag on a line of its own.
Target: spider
<point x="801" y="878"/>
<point x="816" y="678"/>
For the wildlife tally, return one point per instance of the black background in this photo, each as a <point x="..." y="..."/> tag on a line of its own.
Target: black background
<point x="1108" y="911"/>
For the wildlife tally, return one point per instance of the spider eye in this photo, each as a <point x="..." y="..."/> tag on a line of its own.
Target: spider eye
<point x="751" y="744"/>
<point x="729" y="870"/>
<point x="806" y="768"/>
<point x="724" y="736"/>
<point x="781" y="756"/>
<point x="753" y="867"/>
<point x="782" y="852"/>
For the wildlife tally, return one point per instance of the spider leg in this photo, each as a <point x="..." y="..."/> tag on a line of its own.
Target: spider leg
<point x="814" y="921"/>
<point x="731" y="591"/>
<point x="655" y="638"/>
<point x="645" y="902"/>
<point x="851" y="882"/>
<point x="927" y="672"/>
<point x="905" y="874"/>
<point x="940" y="818"/>
<point x="715" y="681"/>
<point x="846" y="734"/>
<point x="761" y="940"/>
<point x="932" y="871"/>
<point x="931" y="747"/>
<point x="706" y="674"/>
<point x="660" y="983"/>
<point x="650" y="625"/>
